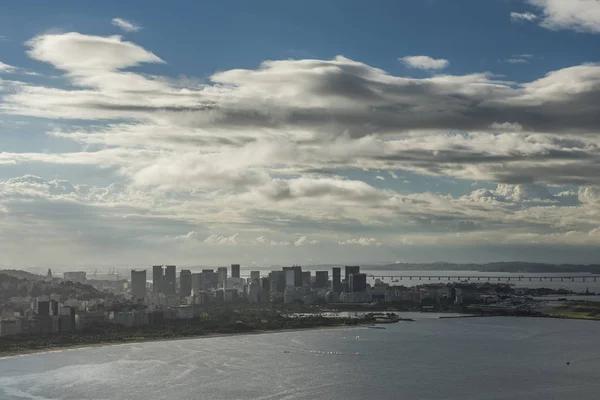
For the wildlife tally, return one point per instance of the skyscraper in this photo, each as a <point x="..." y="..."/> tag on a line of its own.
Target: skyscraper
<point x="290" y="277"/>
<point x="235" y="270"/>
<point x="254" y="275"/>
<point x="157" y="279"/>
<point x="170" y="279"/>
<point x="197" y="283"/>
<point x="351" y="270"/>
<point x="336" y="283"/>
<point x="297" y="275"/>
<point x="185" y="283"/>
<point x="210" y="278"/>
<point x="357" y="283"/>
<point x="306" y="279"/>
<point x="321" y="279"/>
<point x="222" y="276"/>
<point x="138" y="284"/>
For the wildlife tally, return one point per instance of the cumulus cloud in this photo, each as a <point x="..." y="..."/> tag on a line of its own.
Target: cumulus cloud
<point x="81" y="54"/>
<point x="303" y="241"/>
<point x="125" y="25"/>
<point x="274" y="149"/>
<point x="526" y="16"/>
<point x="215" y="239"/>
<point x="362" y="241"/>
<point x="6" y="68"/>
<point x="424" y="62"/>
<point x="520" y="59"/>
<point x="577" y="15"/>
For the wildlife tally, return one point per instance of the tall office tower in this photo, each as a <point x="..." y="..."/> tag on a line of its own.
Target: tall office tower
<point x="265" y="290"/>
<point x="235" y="270"/>
<point x="210" y="278"/>
<point x="254" y="275"/>
<point x="321" y="279"/>
<point x="336" y="282"/>
<point x="185" y="283"/>
<point x="306" y="279"/>
<point x="297" y="275"/>
<point x="197" y="283"/>
<point x="357" y="283"/>
<point x="222" y="276"/>
<point x="351" y="270"/>
<point x="171" y="279"/>
<point x="138" y="284"/>
<point x="157" y="279"/>
<point x="290" y="277"/>
<point x="277" y="281"/>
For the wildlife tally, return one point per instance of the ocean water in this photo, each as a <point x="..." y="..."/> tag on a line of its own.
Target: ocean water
<point x="468" y="359"/>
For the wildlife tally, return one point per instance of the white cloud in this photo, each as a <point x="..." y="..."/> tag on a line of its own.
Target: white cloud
<point x="577" y="15"/>
<point x="303" y="241"/>
<point x="264" y="241"/>
<point x="527" y="16"/>
<point x="379" y="177"/>
<point x="362" y="241"/>
<point x="88" y="55"/>
<point x="262" y="152"/>
<point x="6" y="68"/>
<point x="506" y="126"/>
<point x="424" y="62"/>
<point x="125" y="25"/>
<point x="221" y="240"/>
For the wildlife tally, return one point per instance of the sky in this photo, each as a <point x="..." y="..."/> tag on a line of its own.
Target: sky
<point x="278" y="132"/>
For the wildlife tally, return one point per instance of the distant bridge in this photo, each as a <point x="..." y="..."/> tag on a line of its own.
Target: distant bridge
<point x="558" y="278"/>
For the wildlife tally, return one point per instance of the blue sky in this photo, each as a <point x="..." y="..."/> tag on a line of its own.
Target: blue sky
<point x="282" y="132"/>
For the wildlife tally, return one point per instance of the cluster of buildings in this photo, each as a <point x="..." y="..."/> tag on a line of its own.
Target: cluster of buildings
<point x="286" y="286"/>
<point x="169" y="295"/>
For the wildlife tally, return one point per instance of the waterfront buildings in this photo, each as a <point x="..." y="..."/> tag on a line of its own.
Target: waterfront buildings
<point x="138" y="285"/>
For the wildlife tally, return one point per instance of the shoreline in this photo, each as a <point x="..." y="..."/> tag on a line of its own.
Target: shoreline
<point x="79" y="346"/>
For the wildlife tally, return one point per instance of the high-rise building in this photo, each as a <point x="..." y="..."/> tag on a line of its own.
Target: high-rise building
<point x="321" y="279"/>
<point x="197" y="283"/>
<point x="336" y="282"/>
<point x="290" y="277"/>
<point x="235" y="270"/>
<point x="306" y="279"/>
<point x="170" y="279"/>
<point x="210" y="278"/>
<point x="222" y="276"/>
<point x="357" y="283"/>
<point x="297" y="275"/>
<point x="351" y="270"/>
<point x="254" y="276"/>
<point x="277" y="281"/>
<point x="265" y="290"/>
<point x="138" y="284"/>
<point x="157" y="279"/>
<point x="185" y="283"/>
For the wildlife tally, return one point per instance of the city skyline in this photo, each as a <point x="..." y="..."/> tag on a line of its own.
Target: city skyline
<point x="139" y="135"/>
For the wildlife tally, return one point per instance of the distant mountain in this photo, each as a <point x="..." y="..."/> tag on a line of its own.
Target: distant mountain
<point x="511" y="266"/>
